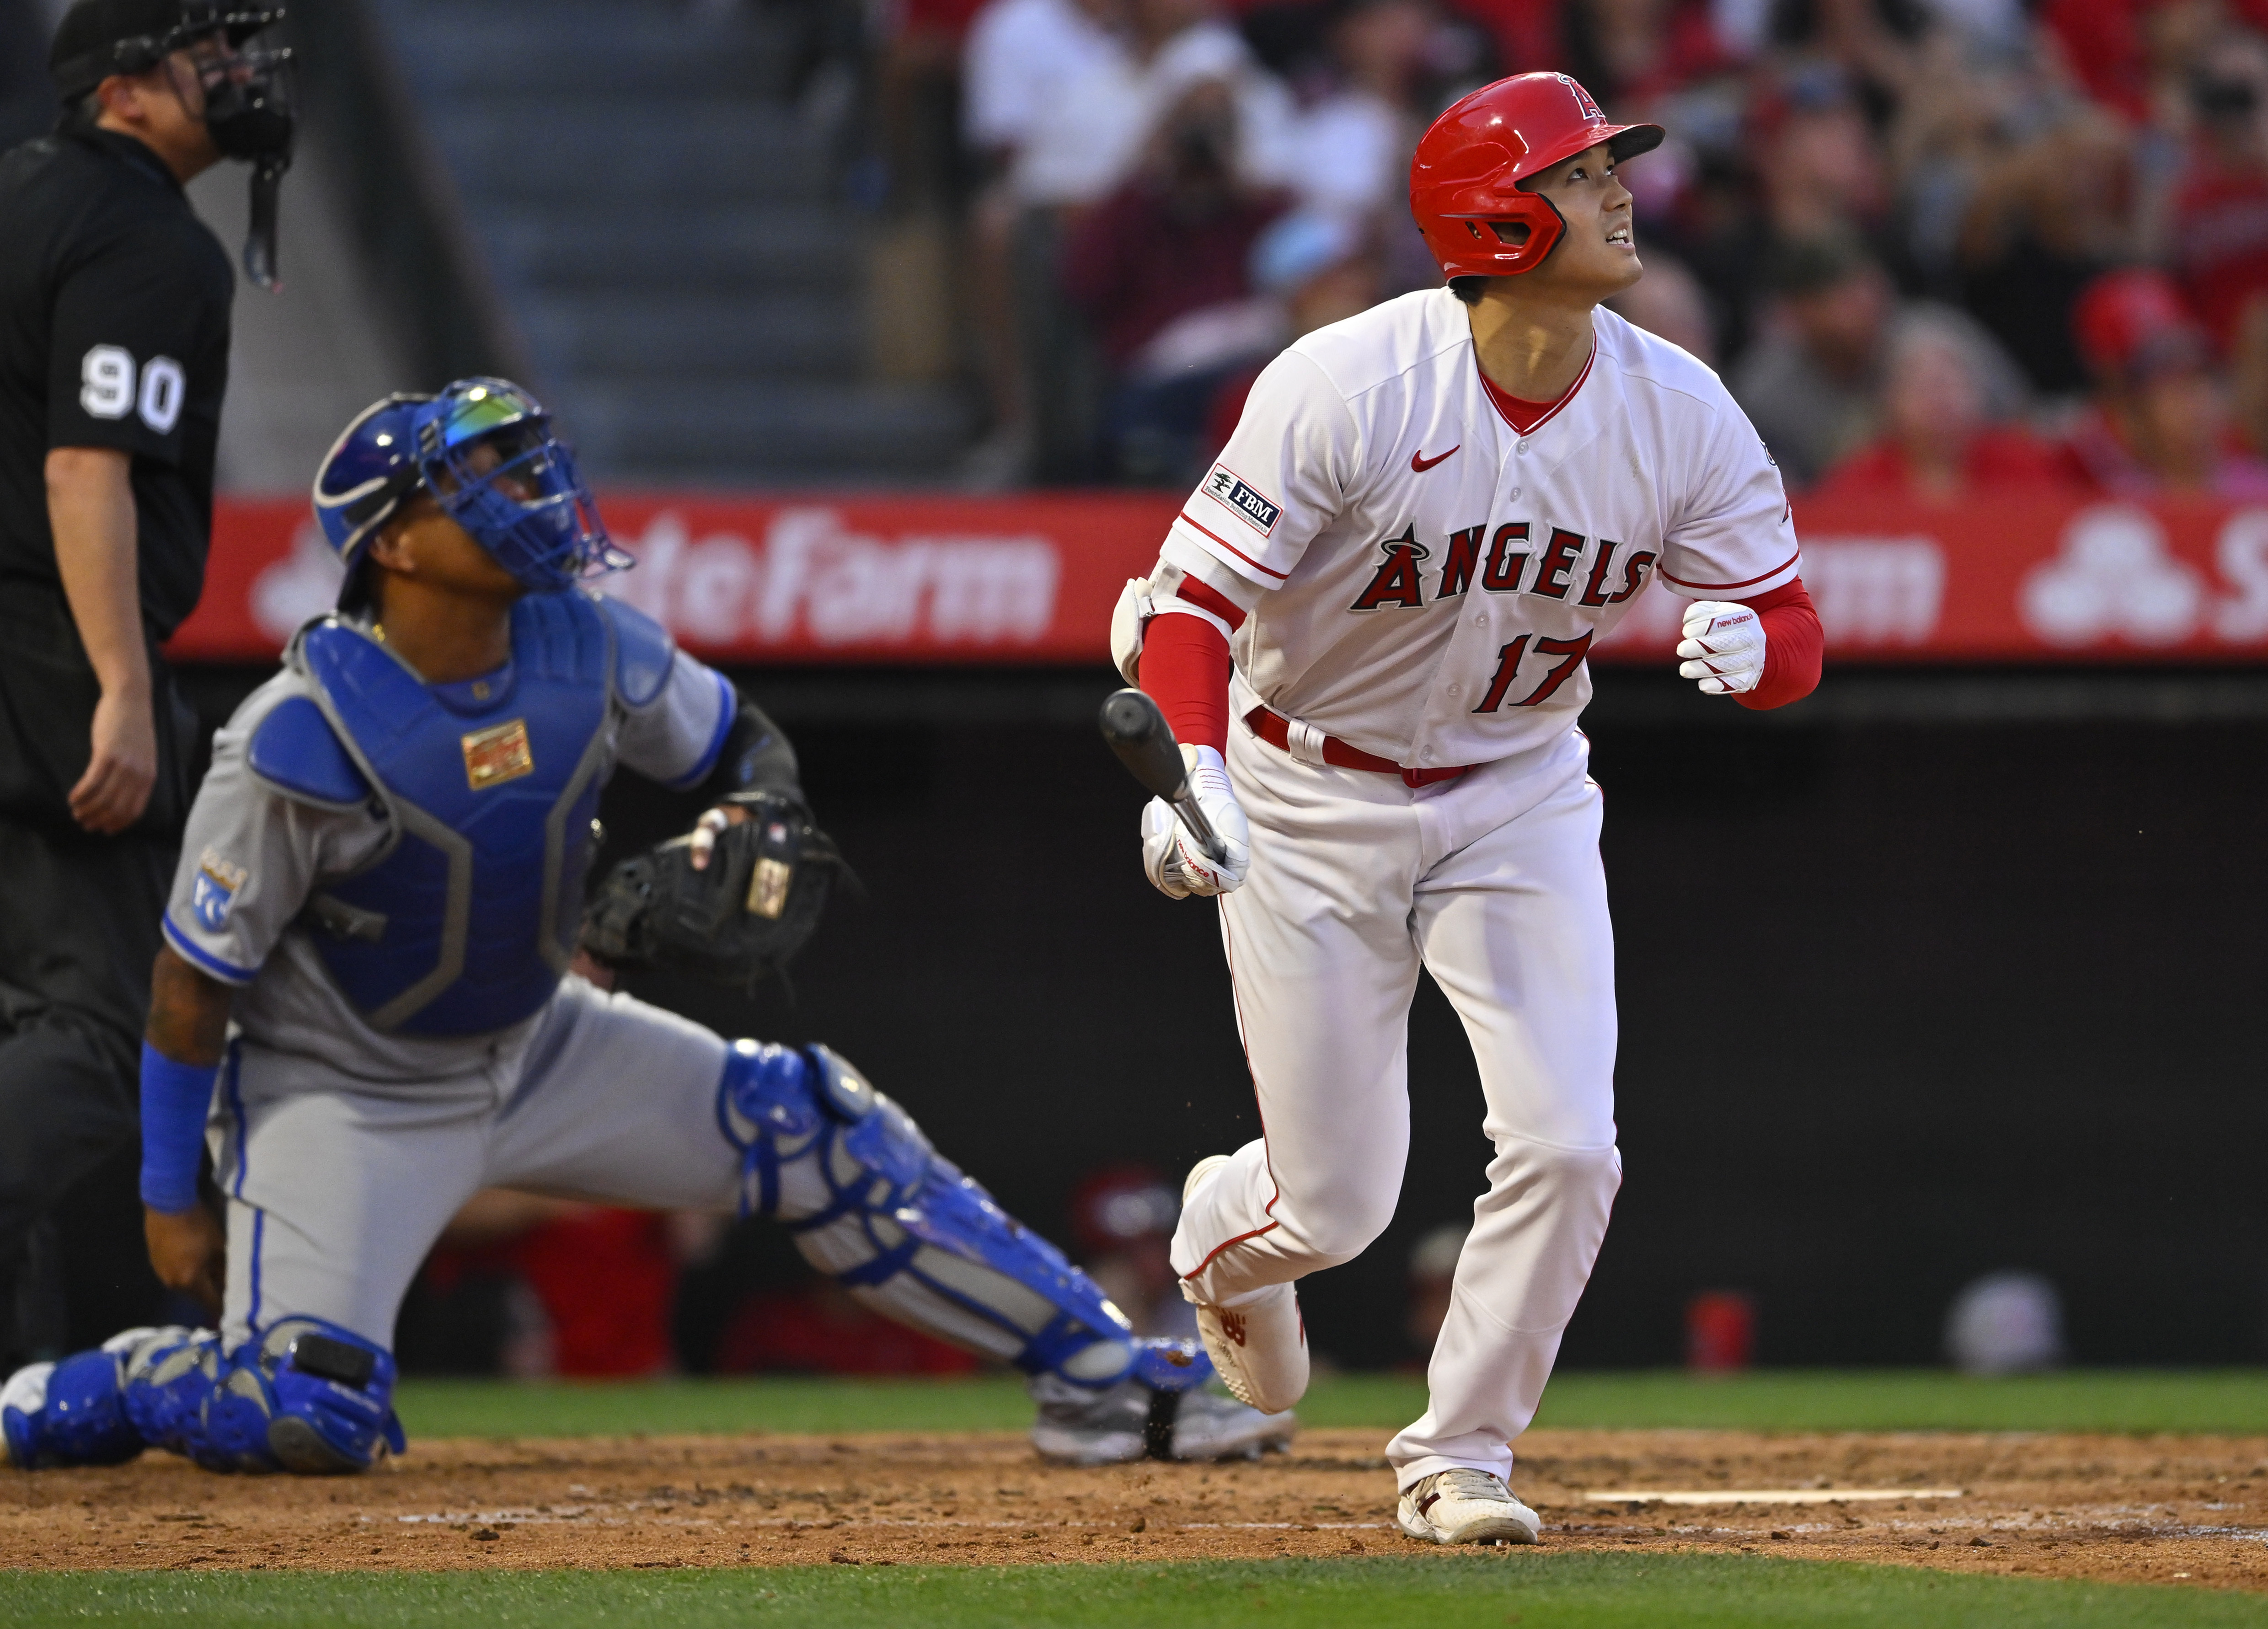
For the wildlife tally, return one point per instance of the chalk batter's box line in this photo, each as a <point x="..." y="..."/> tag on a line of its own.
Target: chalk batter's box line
<point x="2112" y="1524"/>
<point x="1764" y="1495"/>
<point x="530" y="1518"/>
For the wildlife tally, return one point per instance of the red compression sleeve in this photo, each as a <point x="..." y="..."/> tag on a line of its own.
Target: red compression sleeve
<point x="1185" y="667"/>
<point x="1795" y="646"/>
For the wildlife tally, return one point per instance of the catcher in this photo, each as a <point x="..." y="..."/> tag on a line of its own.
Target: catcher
<point x="365" y="1006"/>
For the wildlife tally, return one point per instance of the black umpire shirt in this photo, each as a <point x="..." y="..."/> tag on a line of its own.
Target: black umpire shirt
<point x="114" y="332"/>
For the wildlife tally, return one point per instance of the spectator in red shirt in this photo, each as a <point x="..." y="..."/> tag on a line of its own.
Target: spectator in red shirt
<point x="1946" y="395"/>
<point x="2220" y="227"/>
<point x="1630" y="52"/>
<point x="1159" y="268"/>
<point x="2157" y="422"/>
<point x="2132" y="55"/>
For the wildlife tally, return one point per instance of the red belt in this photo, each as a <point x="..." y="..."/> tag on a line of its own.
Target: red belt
<point x="1276" y="730"/>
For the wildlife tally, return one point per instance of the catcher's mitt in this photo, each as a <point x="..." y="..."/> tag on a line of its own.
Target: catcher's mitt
<point x="741" y="918"/>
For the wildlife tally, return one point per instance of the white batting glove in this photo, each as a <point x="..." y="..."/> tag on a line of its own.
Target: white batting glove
<point x="1171" y="857"/>
<point x="1723" y="647"/>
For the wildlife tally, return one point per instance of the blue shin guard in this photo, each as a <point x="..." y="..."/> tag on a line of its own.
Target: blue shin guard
<point x="879" y="1210"/>
<point x="306" y="1397"/>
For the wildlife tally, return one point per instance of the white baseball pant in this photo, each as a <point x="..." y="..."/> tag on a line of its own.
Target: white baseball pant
<point x="1492" y="883"/>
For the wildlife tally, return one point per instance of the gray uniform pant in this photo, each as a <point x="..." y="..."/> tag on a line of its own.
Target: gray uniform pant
<point x="338" y="1187"/>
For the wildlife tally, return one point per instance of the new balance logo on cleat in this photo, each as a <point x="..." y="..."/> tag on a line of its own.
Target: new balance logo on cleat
<point x="1232" y="1325"/>
<point x="1466" y="1507"/>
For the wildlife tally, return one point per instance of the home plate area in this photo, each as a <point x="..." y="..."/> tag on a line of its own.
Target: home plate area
<point x="2128" y="1508"/>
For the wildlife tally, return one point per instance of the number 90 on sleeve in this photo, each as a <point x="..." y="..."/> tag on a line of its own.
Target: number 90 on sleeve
<point x="107" y="377"/>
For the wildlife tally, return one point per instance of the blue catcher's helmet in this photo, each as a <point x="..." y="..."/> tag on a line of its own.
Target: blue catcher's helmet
<point x="483" y="450"/>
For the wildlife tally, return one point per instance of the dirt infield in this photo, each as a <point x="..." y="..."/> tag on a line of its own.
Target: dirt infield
<point x="2121" y="1509"/>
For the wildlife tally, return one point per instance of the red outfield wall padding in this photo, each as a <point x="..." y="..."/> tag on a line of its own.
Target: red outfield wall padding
<point x="2025" y="578"/>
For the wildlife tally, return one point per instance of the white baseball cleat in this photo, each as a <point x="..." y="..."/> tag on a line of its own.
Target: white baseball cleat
<point x="1259" y="1347"/>
<point x="1466" y="1507"/>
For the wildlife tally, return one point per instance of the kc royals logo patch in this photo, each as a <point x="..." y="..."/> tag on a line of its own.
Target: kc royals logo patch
<point x="1230" y="489"/>
<point x="498" y="754"/>
<point x="214" y="890"/>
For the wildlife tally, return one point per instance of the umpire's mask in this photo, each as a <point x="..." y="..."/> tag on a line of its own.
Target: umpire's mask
<point x="246" y="87"/>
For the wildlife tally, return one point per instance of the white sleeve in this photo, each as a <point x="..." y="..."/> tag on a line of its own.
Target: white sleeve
<point x="1735" y="536"/>
<point x="1282" y="478"/>
<point x="674" y="738"/>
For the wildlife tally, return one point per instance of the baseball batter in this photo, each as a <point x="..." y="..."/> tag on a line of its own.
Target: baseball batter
<point x="365" y="1002"/>
<point x="1368" y="628"/>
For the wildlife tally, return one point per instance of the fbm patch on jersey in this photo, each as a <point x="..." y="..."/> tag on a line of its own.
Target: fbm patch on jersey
<point x="215" y="890"/>
<point x="1225" y="487"/>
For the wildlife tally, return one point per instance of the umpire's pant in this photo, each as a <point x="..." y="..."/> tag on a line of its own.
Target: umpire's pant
<point x="78" y="932"/>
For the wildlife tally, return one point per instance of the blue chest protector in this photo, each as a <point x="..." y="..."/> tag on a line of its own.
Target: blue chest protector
<point x="467" y="919"/>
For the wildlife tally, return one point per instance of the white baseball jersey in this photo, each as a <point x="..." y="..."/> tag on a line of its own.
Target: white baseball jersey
<point x="1438" y="577"/>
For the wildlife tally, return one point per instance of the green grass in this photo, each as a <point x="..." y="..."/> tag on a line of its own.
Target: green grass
<point x="1535" y="1590"/>
<point x="2120" y="1400"/>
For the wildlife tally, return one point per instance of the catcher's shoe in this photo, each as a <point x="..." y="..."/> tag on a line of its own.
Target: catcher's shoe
<point x="1466" y="1507"/>
<point x="1130" y="1421"/>
<point x="1259" y="1345"/>
<point x="1160" y="1410"/>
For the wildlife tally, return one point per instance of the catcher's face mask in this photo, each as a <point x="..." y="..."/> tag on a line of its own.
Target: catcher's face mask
<point x="486" y="452"/>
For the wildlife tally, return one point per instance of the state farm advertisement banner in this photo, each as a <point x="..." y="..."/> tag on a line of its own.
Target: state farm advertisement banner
<point x="1031" y="579"/>
<point x="892" y="579"/>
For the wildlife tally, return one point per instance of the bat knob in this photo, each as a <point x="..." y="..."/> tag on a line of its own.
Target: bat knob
<point x="1128" y="717"/>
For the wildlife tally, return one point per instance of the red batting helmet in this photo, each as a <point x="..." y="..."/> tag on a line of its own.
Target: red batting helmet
<point x="1469" y="168"/>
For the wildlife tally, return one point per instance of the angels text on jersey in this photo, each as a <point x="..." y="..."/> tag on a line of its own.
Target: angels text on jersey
<point x="1566" y="566"/>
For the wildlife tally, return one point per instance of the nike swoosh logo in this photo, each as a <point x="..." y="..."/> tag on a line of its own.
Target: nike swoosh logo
<point x="1419" y="463"/>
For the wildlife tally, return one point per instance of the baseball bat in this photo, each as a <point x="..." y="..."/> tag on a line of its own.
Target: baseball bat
<point x="1144" y="741"/>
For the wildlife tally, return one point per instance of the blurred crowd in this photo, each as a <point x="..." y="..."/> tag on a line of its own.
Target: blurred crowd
<point x="1932" y="244"/>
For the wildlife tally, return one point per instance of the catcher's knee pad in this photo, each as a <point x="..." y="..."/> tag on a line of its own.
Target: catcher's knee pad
<point x="307" y="1397"/>
<point x="874" y="1206"/>
<point x="72" y="1411"/>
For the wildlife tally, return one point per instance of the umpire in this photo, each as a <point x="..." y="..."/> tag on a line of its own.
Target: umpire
<point x="114" y="355"/>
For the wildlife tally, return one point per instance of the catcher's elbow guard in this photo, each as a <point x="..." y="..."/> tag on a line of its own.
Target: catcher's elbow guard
<point x="875" y="1207"/>
<point x="756" y="757"/>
